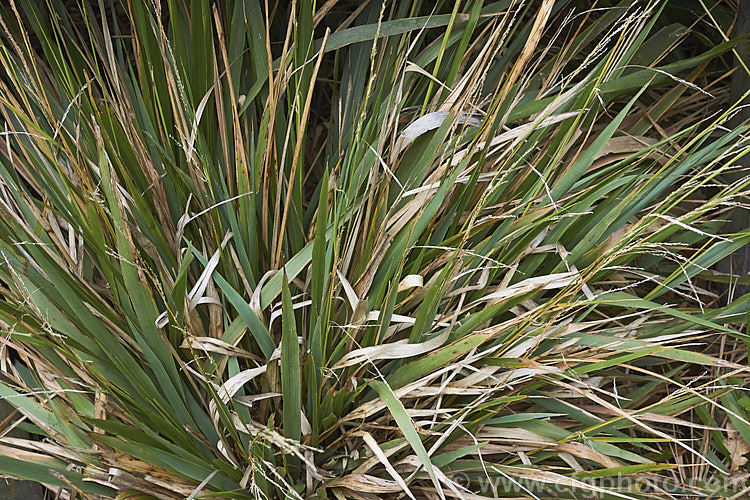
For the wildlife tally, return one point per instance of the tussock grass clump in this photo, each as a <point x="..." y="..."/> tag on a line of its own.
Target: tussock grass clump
<point x="384" y="250"/>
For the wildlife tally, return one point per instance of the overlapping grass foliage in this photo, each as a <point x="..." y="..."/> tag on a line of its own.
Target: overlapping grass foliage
<point x="383" y="250"/>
